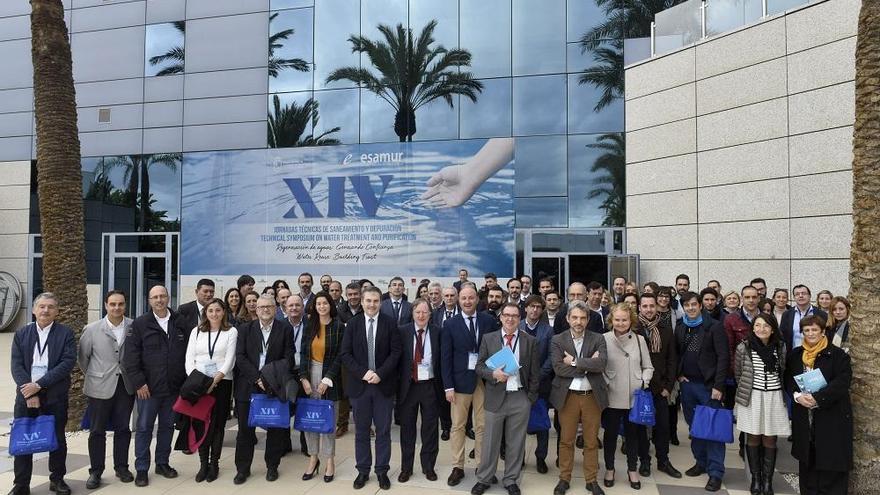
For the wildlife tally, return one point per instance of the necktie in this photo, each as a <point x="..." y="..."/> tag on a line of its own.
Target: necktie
<point x="472" y="330"/>
<point x="448" y="315"/>
<point x="417" y="355"/>
<point x="509" y="338"/>
<point x="371" y="347"/>
<point x="397" y="310"/>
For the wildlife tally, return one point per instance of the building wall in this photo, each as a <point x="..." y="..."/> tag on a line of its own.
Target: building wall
<point x="739" y="154"/>
<point x="15" y="194"/>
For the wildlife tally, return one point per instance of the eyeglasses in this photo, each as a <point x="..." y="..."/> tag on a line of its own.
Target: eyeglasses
<point x="265" y="307"/>
<point x="506" y="315"/>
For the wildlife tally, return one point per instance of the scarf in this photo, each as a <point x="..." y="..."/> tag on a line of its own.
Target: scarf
<point x="766" y="352"/>
<point x="692" y="323"/>
<point x="652" y="332"/>
<point x="810" y="352"/>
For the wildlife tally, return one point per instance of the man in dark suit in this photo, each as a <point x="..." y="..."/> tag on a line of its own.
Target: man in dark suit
<point x="542" y="333"/>
<point x="370" y="353"/>
<point x="43" y="355"/>
<point x="509" y="398"/>
<point x="396" y="308"/>
<point x="260" y="342"/>
<point x="190" y="314"/>
<point x="459" y="349"/>
<point x="294" y="312"/>
<point x="419" y="391"/>
<point x="448" y="309"/>
<point x="351" y="306"/>
<point x="790" y="325"/>
<point x="514" y="295"/>
<point x="553" y="315"/>
<point x="579" y="394"/>
<point x="462" y="278"/>
<point x="598" y="313"/>
<point x="155" y="352"/>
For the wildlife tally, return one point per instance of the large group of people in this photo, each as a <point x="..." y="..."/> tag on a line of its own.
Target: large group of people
<point x="428" y="364"/>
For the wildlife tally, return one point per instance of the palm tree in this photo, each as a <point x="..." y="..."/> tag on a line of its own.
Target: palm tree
<point x="411" y="73"/>
<point x="59" y="174"/>
<point x="137" y="176"/>
<point x="607" y="74"/>
<point x="864" y="268"/>
<point x="288" y="123"/>
<point x="176" y="54"/>
<point x="611" y="185"/>
<point x="277" y="64"/>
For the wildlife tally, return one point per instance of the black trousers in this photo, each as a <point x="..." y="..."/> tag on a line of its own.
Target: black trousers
<point x="213" y="445"/>
<point x="818" y="482"/>
<point x="636" y="441"/>
<point x="421" y="398"/>
<point x="24" y="464"/>
<point x="116" y="412"/>
<point x="661" y="429"/>
<point x="246" y="440"/>
<point x="445" y="411"/>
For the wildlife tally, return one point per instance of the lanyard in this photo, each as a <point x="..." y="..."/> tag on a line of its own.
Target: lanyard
<point x="296" y="331"/>
<point x="212" y="347"/>
<point x="264" y="341"/>
<point x="515" y="341"/>
<point x="42" y="349"/>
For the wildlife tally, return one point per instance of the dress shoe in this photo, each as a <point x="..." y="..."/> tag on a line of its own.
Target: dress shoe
<point x="713" y="485"/>
<point x="404" y="476"/>
<point x="141" y="479"/>
<point x="166" y="470"/>
<point x="635" y="485"/>
<point x="360" y="481"/>
<point x="213" y="471"/>
<point x="561" y="488"/>
<point x="470" y="434"/>
<point x="513" y="490"/>
<point x="94" y="481"/>
<point x="202" y="473"/>
<point x="444" y="435"/>
<point x="695" y="470"/>
<point x="430" y="475"/>
<point x="594" y="489"/>
<point x="308" y="476"/>
<point x="59" y="487"/>
<point x="669" y="470"/>
<point x="480" y="488"/>
<point x="239" y="478"/>
<point x="20" y="490"/>
<point x="271" y="473"/>
<point x="124" y="475"/>
<point x="455" y="476"/>
<point x="608" y="482"/>
<point x="674" y="440"/>
<point x="542" y="466"/>
<point x="645" y="469"/>
<point x="384" y="482"/>
<point x="471" y="454"/>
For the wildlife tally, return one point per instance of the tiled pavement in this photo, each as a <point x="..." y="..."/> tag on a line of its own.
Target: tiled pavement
<point x="293" y="465"/>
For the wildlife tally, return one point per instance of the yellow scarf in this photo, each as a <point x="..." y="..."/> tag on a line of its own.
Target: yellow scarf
<point x="810" y="352"/>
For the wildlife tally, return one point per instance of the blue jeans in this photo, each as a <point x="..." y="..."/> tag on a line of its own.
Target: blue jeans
<point x="148" y="410"/>
<point x="709" y="455"/>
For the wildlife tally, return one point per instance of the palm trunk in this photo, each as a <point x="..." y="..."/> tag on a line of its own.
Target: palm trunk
<point x="145" y="194"/>
<point x="59" y="175"/>
<point x="864" y="274"/>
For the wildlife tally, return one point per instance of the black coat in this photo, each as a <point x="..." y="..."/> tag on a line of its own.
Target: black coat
<point x="786" y="324"/>
<point x="407" y="337"/>
<point x="55" y="384"/>
<point x="354" y="354"/>
<point x="665" y="362"/>
<point x="248" y="350"/>
<point x="187" y="316"/>
<point x="332" y="364"/>
<point x="832" y="430"/>
<point x="714" y="356"/>
<point x="154" y="358"/>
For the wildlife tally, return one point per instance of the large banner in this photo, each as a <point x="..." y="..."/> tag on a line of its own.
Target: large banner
<point x="425" y="208"/>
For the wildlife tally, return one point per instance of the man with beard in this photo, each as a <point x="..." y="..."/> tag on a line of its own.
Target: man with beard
<point x="709" y="297"/>
<point x="514" y="293"/>
<point x="664" y="357"/>
<point x="305" y="282"/>
<point x="526" y="282"/>
<point x="325" y="281"/>
<point x="494" y="300"/>
<point x="552" y="315"/>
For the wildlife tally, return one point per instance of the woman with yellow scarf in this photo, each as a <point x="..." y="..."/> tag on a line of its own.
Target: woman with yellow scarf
<point x="821" y="421"/>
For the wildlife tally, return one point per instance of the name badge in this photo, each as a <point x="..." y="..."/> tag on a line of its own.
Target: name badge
<point x="513" y="382"/>
<point x="210" y="368"/>
<point x="472" y="360"/>
<point x="424" y="371"/>
<point x="262" y="359"/>
<point x="38" y="371"/>
<point x="296" y="358"/>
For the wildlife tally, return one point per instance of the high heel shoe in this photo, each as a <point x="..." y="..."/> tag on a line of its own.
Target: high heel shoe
<point x="608" y="482"/>
<point x="308" y="476"/>
<point x="635" y="485"/>
<point x="329" y="477"/>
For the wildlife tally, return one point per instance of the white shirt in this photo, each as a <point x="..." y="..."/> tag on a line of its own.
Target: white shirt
<point x="551" y="318"/>
<point x="513" y="381"/>
<point x="426" y="349"/>
<point x="476" y="326"/>
<point x="579" y="384"/>
<point x="38" y="359"/>
<point x="163" y="322"/>
<point x="200" y="308"/>
<point x="118" y="330"/>
<point x="368" y="320"/>
<point x="797" y="336"/>
<point x="297" y="339"/>
<point x="198" y="355"/>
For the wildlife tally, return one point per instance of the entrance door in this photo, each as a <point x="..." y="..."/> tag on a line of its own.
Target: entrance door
<point x="550" y="266"/>
<point x="135" y="263"/>
<point x="626" y="266"/>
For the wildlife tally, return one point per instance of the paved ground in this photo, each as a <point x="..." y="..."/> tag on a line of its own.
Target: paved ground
<point x="293" y="465"/>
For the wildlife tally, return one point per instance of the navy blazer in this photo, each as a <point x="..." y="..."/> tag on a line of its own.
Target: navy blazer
<point x="387" y="309"/>
<point x="786" y="324"/>
<point x="455" y="345"/>
<point x="438" y="316"/>
<point x="248" y="349"/>
<point x="154" y="358"/>
<point x="354" y="354"/>
<point x="407" y="340"/>
<point x="62" y="357"/>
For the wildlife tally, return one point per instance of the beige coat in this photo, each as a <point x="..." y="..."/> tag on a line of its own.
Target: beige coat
<point x="629" y="368"/>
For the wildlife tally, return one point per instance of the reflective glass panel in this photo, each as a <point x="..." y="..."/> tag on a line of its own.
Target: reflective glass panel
<point x="583" y="99"/>
<point x="338" y="108"/>
<point x="540" y="166"/>
<point x="541" y="212"/>
<point x="290" y="119"/>
<point x="539" y="105"/>
<point x="596" y="183"/>
<point x="583" y="16"/>
<point x="335" y="22"/>
<point x="377" y="119"/>
<point x="164" y="52"/>
<point x="485" y="32"/>
<point x="538" y="36"/>
<point x="290" y="50"/>
<point x="445" y="13"/>
<point x="290" y="4"/>
<point x="490" y="116"/>
<point x="436" y="120"/>
<point x="94" y="182"/>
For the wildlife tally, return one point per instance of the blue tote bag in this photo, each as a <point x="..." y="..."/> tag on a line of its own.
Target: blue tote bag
<point x="642" y="411"/>
<point x="539" y="417"/>
<point x="712" y="424"/>
<point x="314" y="416"/>
<point x="32" y="435"/>
<point x="268" y="412"/>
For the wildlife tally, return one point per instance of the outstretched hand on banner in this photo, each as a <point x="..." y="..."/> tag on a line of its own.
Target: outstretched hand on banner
<point x="454" y="185"/>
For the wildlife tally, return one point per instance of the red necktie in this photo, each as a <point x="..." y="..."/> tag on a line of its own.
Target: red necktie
<point x="509" y="338"/>
<point x="417" y="355"/>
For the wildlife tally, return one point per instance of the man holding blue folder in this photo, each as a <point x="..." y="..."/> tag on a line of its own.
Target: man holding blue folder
<point x="510" y="365"/>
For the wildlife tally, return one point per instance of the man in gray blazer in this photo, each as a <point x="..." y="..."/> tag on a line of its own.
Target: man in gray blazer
<point x="578" y="394"/>
<point x="111" y="397"/>
<point x="508" y="401"/>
